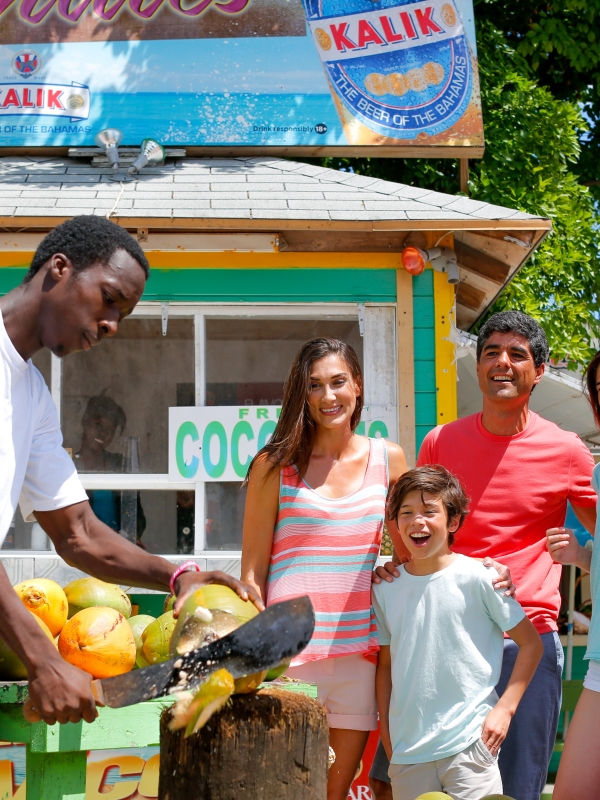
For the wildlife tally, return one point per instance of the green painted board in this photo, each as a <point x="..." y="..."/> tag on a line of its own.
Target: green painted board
<point x="272" y="285"/>
<point x="424" y="344"/>
<point x="425" y="409"/>
<point x="149" y="603"/>
<point x="425" y="376"/>
<point x="60" y="776"/>
<point x="423" y="312"/>
<point x="423" y="284"/>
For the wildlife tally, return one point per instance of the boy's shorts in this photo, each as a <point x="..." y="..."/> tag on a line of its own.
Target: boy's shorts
<point x="346" y="689"/>
<point x="592" y="678"/>
<point x="469" y="775"/>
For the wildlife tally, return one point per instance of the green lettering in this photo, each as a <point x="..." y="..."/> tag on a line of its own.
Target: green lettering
<point x="185" y="430"/>
<point x="214" y="428"/>
<point x="241" y="429"/>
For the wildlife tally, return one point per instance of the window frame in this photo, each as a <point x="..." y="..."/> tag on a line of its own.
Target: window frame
<point x="200" y="312"/>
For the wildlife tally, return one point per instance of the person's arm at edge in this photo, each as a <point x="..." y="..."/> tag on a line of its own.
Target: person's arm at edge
<point x="383" y="688"/>
<point x="260" y="515"/>
<point x="531" y="649"/>
<point x="587" y="516"/>
<point x="85" y="542"/>
<point x="59" y="691"/>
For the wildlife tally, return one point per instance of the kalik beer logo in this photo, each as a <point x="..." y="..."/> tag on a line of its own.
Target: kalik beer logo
<point x="45" y="99"/>
<point x="26" y="64"/>
<point x="401" y="69"/>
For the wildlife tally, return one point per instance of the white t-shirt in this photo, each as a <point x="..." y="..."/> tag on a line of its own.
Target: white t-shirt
<point x="445" y="633"/>
<point x="35" y="470"/>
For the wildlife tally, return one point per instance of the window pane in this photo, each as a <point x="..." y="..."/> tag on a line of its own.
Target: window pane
<point x="26" y="535"/>
<point x="163" y="521"/>
<point x="224" y="516"/>
<point x="247" y="360"/>
<point x="116" y="397"/>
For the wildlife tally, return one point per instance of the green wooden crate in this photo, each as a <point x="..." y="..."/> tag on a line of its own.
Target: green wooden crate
<point x="56" y="755"/>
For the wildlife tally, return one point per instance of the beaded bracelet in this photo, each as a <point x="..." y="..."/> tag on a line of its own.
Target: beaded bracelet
<point x="189" y="565"/>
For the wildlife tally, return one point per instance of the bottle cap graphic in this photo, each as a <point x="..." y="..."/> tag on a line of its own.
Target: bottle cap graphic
<point x="396" y="70"/>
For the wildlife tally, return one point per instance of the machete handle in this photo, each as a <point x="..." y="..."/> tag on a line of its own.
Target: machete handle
<point x="96" y="687"/>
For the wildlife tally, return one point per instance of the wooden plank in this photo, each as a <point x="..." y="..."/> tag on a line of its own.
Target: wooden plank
<point x="13" y="726"/>
<point x="135" y="726"/>
<point x="406" y="365"/>
<point x="445" y="368"/>
<point x="482" y="264"/>
<point x="13" y="691"/>
<point x="237" y="224"/>
<point x="307" y="151"/>
<point x="463" y="177"/>
<point x="470" y="297"/>
<point x="526" y="237"/>
<point x="348" y="241"/>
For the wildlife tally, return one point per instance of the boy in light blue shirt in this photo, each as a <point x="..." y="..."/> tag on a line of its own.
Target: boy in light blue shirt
<point x="441" y="628"/>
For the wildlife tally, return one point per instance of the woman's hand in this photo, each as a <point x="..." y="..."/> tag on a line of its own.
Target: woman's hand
<point x="504" y="580"/>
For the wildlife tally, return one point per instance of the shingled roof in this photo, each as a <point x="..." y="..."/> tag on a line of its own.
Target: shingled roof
<point x="240" y="188"/>
<point x="309" y="207"/>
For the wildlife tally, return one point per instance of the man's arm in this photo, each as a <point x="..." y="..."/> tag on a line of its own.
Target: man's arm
<point x="88" y="544"/>
<point x="531" y="649"/>
<point x="383" y="688"/>
<point x="587" y="516"/>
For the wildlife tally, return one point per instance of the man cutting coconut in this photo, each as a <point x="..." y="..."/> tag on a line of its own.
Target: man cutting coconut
<point x="86" y="276"/>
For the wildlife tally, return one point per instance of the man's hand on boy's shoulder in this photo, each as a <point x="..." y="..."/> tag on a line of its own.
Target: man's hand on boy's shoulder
<point x="495" y="728"/>
<point x="503" y="582"/>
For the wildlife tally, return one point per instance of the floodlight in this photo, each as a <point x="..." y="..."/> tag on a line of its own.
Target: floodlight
<point x="151" y="152"/>
<point x="442" y="259"/>
<point x="109" y="140"/>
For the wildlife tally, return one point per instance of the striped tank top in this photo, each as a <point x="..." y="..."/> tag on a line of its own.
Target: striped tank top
<point x="327" y="549"/>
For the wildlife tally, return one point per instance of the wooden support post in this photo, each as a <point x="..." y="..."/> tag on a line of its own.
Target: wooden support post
<point x="463" y="175"/>
<point x="272" y="745"/>
<point x="406" y="365"/>
<point x="55" y="776"/>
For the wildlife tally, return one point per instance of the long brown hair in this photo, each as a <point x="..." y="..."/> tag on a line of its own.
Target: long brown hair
<point x="590" y="385"/>
<point x="293" y="438"/>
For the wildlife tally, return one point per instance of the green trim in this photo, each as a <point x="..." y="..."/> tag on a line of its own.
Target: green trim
<point x="272" y="285"/>
<point x="424" y="354"/>
<point x="256" y="285"/>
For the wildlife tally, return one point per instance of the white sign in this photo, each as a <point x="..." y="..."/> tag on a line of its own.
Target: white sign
<point x="217" y="443"/>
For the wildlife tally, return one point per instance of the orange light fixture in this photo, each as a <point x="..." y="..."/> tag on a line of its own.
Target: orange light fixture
<point x="414" y="260"/>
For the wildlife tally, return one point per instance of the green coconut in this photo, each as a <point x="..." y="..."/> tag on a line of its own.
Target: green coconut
<point x="434" y="796"/>
<point x="156" y="638"/>
<point x="169" y="603"/>
<point x="91" y="592"/>
<point x="138" y="626"/>
<point x="11" y="666"/>
<point x="209" y="614"/>
<point x="192" y="710"/>
<point x="277" y="672"/>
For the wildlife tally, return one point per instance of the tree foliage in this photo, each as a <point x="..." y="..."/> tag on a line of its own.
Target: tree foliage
<point x="532" y="162"/>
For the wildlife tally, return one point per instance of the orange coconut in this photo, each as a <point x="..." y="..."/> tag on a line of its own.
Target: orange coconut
<point x="46" y="600"/>
<point x="99" y="641"/>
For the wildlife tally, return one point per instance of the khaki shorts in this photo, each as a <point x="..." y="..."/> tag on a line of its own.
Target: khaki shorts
<point x="469" y="775"/>
<point x="346" y="689"/>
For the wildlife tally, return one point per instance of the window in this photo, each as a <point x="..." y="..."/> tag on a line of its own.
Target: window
<point x="113" y="403"/>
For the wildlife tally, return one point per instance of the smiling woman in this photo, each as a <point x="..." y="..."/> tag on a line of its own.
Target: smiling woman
<point x="314" y="518"/>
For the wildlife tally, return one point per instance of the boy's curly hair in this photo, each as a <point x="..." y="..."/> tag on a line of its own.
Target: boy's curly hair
<point x="436" y="481"/>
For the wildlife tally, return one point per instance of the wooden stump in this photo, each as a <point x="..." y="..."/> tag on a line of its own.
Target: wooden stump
<point x="271" y="745"/>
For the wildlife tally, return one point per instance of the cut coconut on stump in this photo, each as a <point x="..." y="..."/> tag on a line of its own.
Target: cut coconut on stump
<point x="268" y="745"/>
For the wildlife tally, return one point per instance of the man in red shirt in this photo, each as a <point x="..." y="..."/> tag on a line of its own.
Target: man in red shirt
<point x="519" y="471"/>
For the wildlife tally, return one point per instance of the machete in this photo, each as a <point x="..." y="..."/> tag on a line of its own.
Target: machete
<point x="271" y="638"/>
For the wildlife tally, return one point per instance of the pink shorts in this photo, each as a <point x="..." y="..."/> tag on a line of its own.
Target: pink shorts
<point x="346" y="689"/>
